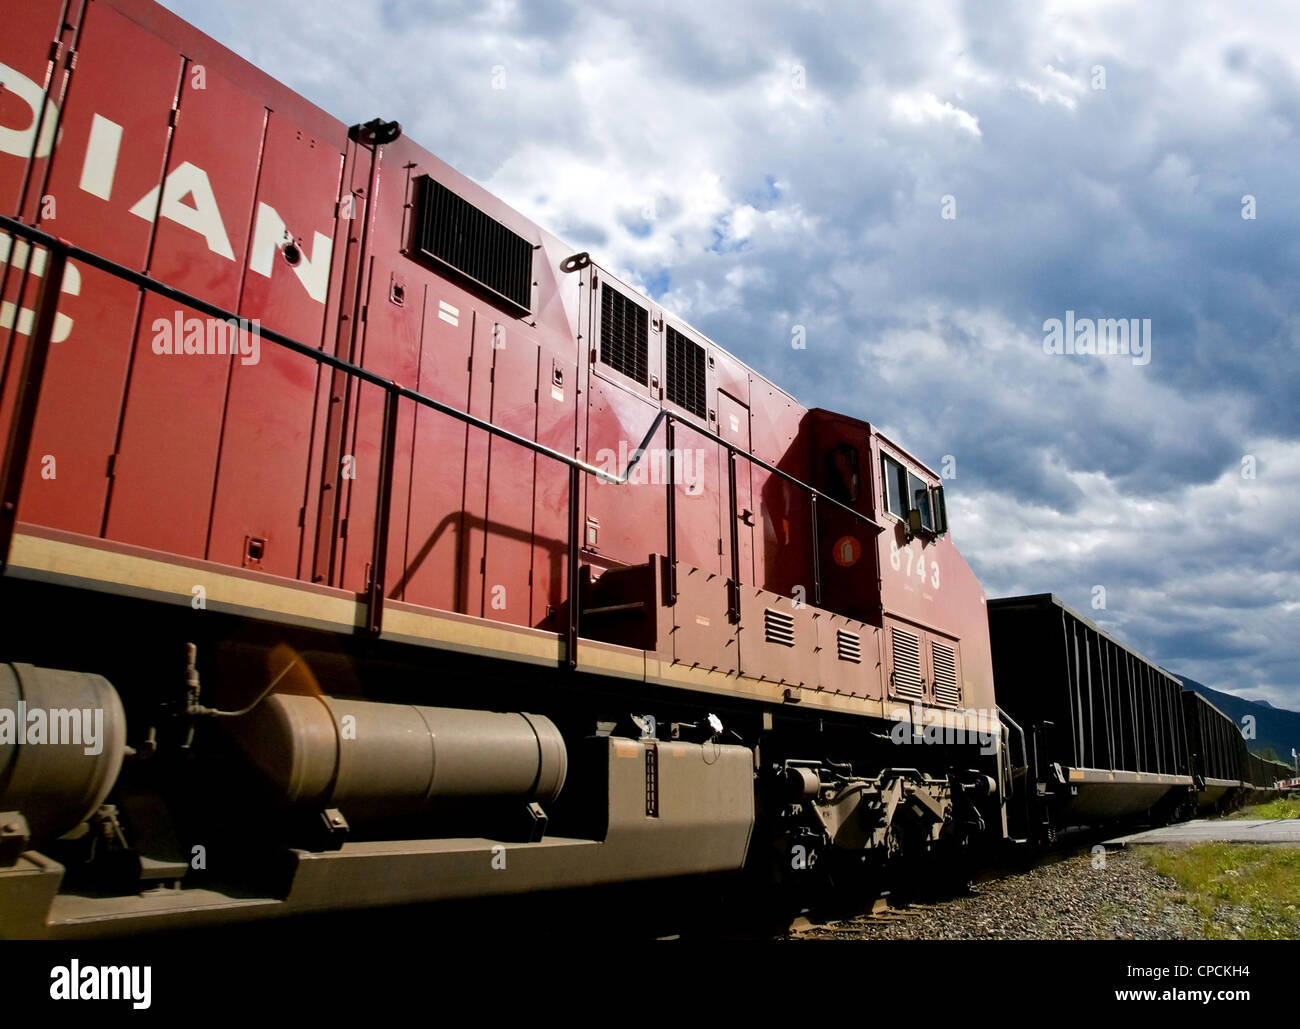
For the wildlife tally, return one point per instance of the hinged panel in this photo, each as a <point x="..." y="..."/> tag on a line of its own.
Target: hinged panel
<point x="947" y="682"/>
<point x="907" y="676"/>
<point x="778" y="641"/>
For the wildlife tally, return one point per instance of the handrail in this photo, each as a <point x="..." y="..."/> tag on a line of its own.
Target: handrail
<point x="87" y="257"/>
<point x="1024" y="752"/>
<point x="18" y="442"/>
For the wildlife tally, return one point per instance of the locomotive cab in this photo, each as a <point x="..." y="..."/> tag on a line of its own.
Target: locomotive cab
<point x="857" y="467"/>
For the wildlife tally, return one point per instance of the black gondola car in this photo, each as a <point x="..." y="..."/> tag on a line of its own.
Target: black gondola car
<point x="1103" y="729"/>
<point x="1220" y="761"/>
<point x="1263" y="777"/>
<point x="1281" y="772"/>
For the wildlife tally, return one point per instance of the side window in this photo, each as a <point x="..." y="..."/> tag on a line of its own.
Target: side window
<point x="919" y="497"/>
<point x="940" y="512"/>
<point x="841" y="475"/>
<point x="905" y="491"/>
<point x="895" y="479"/>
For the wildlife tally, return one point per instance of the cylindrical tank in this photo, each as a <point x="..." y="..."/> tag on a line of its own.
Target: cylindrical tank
<point x="374" y="759"/>
<point x="62" y="739"/>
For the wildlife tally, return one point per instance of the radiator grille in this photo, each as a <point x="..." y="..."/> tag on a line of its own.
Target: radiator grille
<point x="778" y="627"/>
<point x="946" y="689"/>
<point x="849" y="646"/>
<point x="624" y="328"/>
<point x="685" y="373"/>
<point x="907" y="665"/>
<point x="452" y="230"/>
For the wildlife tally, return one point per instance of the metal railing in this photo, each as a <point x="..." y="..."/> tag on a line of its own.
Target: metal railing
<point x="36" y="354"/>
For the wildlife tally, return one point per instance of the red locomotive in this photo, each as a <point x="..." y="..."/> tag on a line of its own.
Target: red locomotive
<point x="365" y="545"/>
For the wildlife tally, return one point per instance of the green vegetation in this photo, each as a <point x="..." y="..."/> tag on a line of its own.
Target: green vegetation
<point x="1282" y="807"/>
<point x="1239" y="892"/>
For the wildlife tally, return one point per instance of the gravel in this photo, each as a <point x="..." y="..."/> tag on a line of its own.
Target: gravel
<point x="1065" y="900"/>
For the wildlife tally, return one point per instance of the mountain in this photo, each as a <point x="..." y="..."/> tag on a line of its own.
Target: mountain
<point x="1275" y="727"/>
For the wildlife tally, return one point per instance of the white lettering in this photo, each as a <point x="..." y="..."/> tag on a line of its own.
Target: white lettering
<point x="19" y="142"/>
<point x="268" y="235"/>
<point x="203" y="217"/>
<point x="100" y="166"/>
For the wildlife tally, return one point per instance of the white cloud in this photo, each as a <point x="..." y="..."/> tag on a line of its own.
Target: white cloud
<point x="921" y="108"/>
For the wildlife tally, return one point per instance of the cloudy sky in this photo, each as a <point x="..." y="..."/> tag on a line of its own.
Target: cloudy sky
<point x="922" y="186"/>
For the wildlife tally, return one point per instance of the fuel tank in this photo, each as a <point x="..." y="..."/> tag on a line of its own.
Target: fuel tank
<point x="375" y="759"/>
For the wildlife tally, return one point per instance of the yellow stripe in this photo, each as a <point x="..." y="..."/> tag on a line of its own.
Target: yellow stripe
<point x="173" y="582"/>
<point x="177" y="582"/>
<point x="473" y="636"/>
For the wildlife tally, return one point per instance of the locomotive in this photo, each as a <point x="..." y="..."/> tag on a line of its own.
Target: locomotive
<point x="364" y="545"/>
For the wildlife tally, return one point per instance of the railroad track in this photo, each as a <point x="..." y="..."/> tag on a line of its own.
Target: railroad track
<point x="894" y="905"/>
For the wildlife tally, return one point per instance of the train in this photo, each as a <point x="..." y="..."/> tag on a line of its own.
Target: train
<point x="364" y="545"/>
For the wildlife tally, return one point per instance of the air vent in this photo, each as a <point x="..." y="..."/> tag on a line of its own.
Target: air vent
<point x="907" y="665"/>
<point x="778" y="627"/>
<point x="685" y="373"/>
<point x="849" y="646"/>
<point x="624" y="327"/>
<point x="454" y="232"/>
<point x="946" y="690"/>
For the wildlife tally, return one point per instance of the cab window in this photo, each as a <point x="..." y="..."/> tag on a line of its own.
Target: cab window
<point x="895" y="478"/>
<point x="841" y="477"/>
<point x="905" y="491"/>
<point x="940" y="512"/>
<point x="919" y="493"/>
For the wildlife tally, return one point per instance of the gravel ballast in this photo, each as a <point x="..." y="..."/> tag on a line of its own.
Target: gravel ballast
<point x="1068" y="899"/>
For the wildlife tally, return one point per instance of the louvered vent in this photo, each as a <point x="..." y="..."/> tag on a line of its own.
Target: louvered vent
<point x="946" y="690"/>
<point x="624" y="341"/>
<point x="907" y="665"/>
<point x="778" y="627"/>
<point x="686" y="373"/>
<point x="453" y="231"/>
<point x="849" y="646"/>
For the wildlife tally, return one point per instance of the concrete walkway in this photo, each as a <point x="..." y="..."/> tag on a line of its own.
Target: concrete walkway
<point x="1219" y="830"/>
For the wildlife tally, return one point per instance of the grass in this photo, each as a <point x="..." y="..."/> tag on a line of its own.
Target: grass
<point x="1239" y="892"/>
<point x="1282" y="807"/>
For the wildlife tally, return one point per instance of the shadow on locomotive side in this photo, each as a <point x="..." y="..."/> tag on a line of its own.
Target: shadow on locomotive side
<point x="394" y="613"/>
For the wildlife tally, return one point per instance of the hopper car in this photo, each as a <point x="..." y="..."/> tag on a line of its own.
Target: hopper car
<point x="1101" y="734"/>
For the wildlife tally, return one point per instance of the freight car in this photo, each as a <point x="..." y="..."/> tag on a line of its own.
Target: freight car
<point x="1101" y="727"/>
<point x="1101" y="734"/>
<point x="1220" y="761"/>
<point x="1263" y="778"/>
<point x="1279" y="772"/>
<point x="363" y="544"/>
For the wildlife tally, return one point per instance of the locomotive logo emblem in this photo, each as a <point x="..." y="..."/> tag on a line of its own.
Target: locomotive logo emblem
<point x="847" y="551"/>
